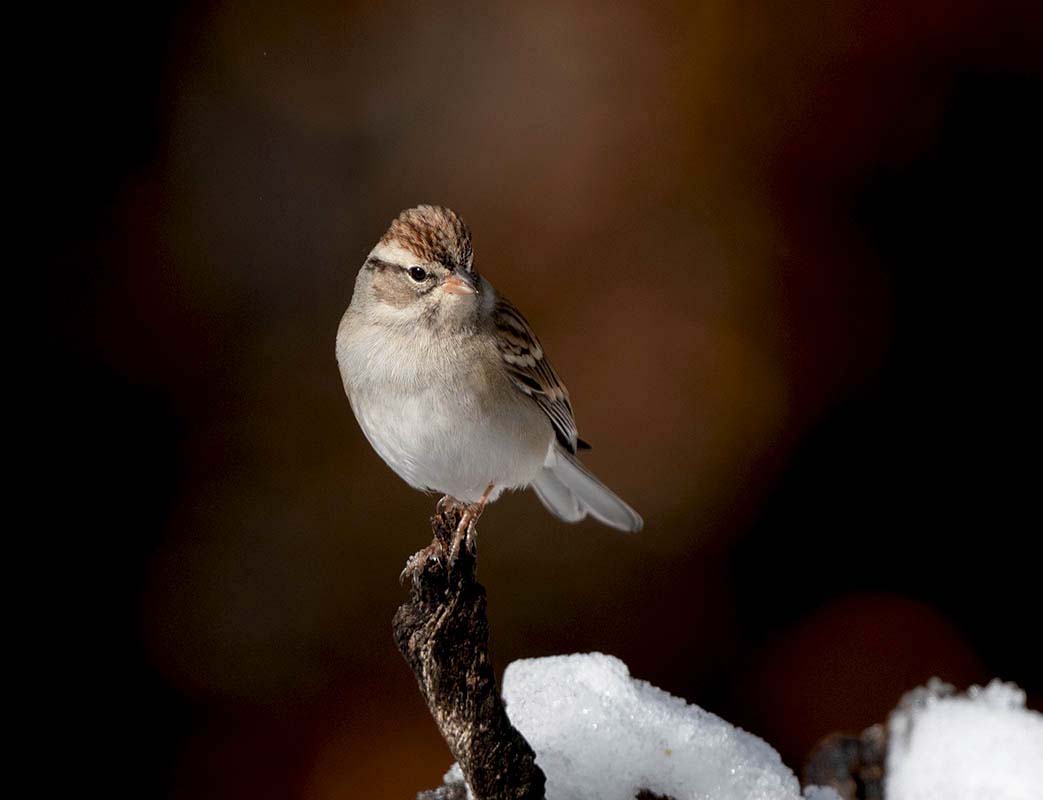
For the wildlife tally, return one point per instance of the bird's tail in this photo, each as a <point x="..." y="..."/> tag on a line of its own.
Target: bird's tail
<point x="570" y="492"/>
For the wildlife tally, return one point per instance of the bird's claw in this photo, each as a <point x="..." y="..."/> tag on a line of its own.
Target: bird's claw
<point x="471" y="539"/>
<point x="466" y="532"/>
<point x="416" y="561"/>
<point x="444" y="502"/>
<point x="462" y="534"/>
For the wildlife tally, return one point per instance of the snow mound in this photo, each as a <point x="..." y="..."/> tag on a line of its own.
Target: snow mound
<point x="600" y="734"/>
<point x="984" y="744"/>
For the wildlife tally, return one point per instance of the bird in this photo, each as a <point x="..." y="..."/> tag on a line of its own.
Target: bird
<point x="451" y="386"/>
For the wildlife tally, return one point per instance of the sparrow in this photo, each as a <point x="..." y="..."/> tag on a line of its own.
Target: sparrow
<point x="451" y="386"/>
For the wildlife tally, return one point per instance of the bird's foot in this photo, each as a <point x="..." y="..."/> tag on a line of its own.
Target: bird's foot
<point x="464" y="533"/>
<point x="433" y="552"/>
<point x="469" y="534"/>
<point x="471" y="539"/>
<point x="445" y="503"/>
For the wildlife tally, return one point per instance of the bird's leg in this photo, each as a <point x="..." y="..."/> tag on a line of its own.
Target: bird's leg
<point x="436" y="549"/>
<point x="472" y="530"/>
<point x="461" y="532"/>
<point x="447" y="503"/>
<point x="465" y="530"/>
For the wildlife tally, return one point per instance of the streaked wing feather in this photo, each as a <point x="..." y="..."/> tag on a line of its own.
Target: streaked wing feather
<point x="532" y="374"/>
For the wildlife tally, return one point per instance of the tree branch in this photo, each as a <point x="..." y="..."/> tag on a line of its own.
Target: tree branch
<point x="443" y="634"/>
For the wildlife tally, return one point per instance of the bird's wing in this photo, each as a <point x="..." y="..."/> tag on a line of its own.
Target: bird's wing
<point x="533" y="375"/>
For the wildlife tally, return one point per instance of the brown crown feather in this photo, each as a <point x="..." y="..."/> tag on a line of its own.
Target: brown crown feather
<point x="434" y="234"/>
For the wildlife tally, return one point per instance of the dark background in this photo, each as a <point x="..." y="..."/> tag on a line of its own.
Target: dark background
<point x="784" y="256"/>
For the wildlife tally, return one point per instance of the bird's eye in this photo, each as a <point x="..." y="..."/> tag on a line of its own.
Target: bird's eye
<point x="419" y="274"/>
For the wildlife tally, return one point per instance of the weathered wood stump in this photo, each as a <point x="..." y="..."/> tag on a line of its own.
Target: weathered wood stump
<point x="443" y="633"/>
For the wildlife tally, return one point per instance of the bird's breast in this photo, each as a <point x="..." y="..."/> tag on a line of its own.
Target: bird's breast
<point x="443" y="415"/>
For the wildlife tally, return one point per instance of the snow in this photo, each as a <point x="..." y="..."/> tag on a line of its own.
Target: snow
<point x="600" y="734"/>
<point x="984" y="744"/>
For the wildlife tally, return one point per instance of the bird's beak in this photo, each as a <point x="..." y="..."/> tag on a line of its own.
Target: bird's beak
<point x="458" y="283"/>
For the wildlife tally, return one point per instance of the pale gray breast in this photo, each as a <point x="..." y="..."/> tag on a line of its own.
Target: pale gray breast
<point x="442" y="411"/>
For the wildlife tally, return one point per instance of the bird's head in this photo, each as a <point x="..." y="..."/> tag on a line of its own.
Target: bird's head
<point x="421" y="272"/>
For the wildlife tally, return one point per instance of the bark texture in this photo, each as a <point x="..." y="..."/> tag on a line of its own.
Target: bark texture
<point x="443" y="634"/>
